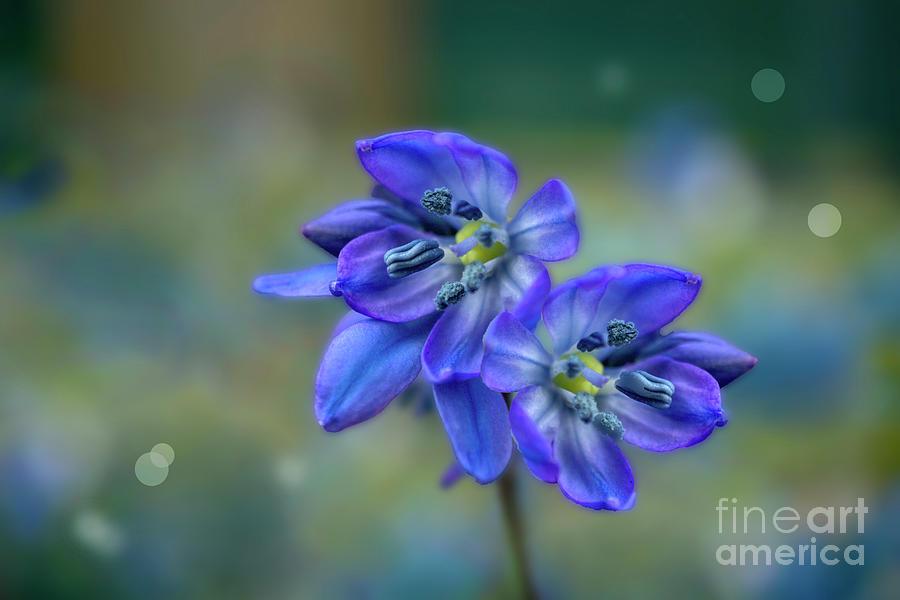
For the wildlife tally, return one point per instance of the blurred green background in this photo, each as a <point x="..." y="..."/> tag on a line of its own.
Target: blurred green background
<point x="155" y="156"/>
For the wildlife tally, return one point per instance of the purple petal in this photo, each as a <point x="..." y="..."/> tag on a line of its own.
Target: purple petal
<point x="650" y="296"/>
<point x="347" y="321"/>
<point x="714" y="355"/>
<point x="477" y="422"/>
<point x="545" y="226"/>
<point x="513" y="357"/>
<point x="454" y="349"/>
<point x="593" y="472"/>
<point x="409" y="163"/>
<point x="333" y="230"/>
<point x="365" y="367"/>
<point x="367" y="288"/>
<point x="310" y="282"/>
<point x="695" y="412"/>
<point x="533" y="417"/>
<point x="488" y="175"/>
<point x="524" y="284"/>
<point x="542" y="405"/>
<point x="571" y="308"/>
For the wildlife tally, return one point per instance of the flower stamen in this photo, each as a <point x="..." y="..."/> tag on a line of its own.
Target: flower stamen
<point x="412" y="257"/>
<point x="481" y="233"/>
<point x="467" y="211"/>
<point x="609" y="424"/>
<point x="438" y="201"/>
<point x="571" y="366"/>
<point x="619" y="332"/>
<point x="591" y="342"/>
<point x="584" y="405"/>
<point x="576" y="364"/>
<point x="486" y="235"/>
<point x="450" y="293"/>
<point x="644" y="387"/>
<point x="473" y="275"/>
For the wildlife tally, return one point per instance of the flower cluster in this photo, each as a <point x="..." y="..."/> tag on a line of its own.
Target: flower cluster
<point x="442" y="283"/>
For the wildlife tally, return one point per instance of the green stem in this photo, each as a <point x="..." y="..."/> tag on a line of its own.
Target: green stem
<point x="515" y="530"/>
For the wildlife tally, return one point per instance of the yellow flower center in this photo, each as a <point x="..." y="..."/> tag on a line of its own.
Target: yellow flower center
<point x="479" y="252"/>
<point x="580" y="384"/>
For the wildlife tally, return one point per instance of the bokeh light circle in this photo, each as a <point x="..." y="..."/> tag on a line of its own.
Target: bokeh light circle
<point x="611" y="79"/>
<point x="166" y="451"/>
<point x="158" y="459"/>
<point x="824" y="220"/>
<point x="148" y="471"/>
<point x="767" y="85"/>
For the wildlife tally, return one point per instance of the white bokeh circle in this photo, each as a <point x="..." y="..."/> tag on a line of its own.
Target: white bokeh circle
<point x="824" y="220"/>
<point x="151" y="469"/>
<point x="767" y="85"/>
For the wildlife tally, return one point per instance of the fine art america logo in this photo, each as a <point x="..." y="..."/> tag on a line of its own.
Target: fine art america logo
<point x="821" y="520"/>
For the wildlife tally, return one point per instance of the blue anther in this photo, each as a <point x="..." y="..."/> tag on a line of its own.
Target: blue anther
<point x="450" y="293"/>
<point x="473" y="275"/>
<point x="644" y="387"/>
<point x="620" y="332"/>
<point x="467" y="211"/>
<point x="609" y="424"/>
<point x="438" y="201"/>
<point x="412" y="257"/>
<point x="591" y="342"/>
<point x="585" y="406"/>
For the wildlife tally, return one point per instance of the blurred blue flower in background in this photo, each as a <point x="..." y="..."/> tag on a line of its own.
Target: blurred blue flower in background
<point x="36" y="479"/>
<point x="810" y="350"/>
<point x="33" y="186"/>
<point x="686" y="161"/>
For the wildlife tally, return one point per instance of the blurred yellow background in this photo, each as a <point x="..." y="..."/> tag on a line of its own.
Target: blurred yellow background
<point x="156" y="156"/>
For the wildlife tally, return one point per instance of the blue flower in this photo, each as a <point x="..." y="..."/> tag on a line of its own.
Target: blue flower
<point x="427" y="263"/>
<point x="440" y="195"/>
<point x="610" y="376"/>
<point x="490" y="265"/>
<point x="37" y="184"/>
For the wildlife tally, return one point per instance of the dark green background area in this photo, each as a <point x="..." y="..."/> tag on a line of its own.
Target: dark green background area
<point x="534" y="61"/>
<point x="156" y="156"/>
